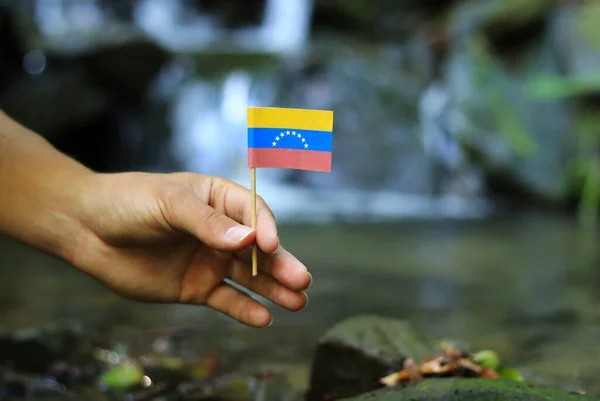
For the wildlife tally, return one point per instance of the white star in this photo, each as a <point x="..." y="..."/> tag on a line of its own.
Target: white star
<point x="287" y="132"/>
<point x="294" y="133"/>
<point x="274" y="143"/>
<point x="299" y="135"/>
<point x="277" y="138"/>
<point x="306" y="145"/>
<point x="303" y="140"/>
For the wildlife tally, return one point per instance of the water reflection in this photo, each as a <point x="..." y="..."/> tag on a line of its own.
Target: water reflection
<point x="519" y="286"/>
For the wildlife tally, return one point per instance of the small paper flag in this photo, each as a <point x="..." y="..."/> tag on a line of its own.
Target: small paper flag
<point x="290" y="138"/>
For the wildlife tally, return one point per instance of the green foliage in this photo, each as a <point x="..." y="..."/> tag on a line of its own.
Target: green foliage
<point x="588" y="27"/>
<point x="124" y="375"/>
<point x="503" y="113"/>
<point x="487" y="359"/>
<point x="510" y="373"/>
<point x="514" y="12"/>
<point x="584" y="168"/>
<point x="548" y="87"/>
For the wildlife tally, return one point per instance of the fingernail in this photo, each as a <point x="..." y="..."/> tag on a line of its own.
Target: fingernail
<point x="306" y="296"/>
<point x="270" y="323"/>
<point x="238" y="234"/>
<point x="311" y="280"/>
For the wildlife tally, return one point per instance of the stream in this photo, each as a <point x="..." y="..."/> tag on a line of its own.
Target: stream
<point x="525" y="286"/>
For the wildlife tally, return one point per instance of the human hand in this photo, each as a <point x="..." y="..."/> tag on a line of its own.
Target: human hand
<point x="174" y="238"/>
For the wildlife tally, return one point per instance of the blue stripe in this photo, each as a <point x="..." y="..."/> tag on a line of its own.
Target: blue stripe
<point x="267" y="138"/>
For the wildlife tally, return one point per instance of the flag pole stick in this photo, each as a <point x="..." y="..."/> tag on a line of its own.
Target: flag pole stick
<point x="254" y="246"/>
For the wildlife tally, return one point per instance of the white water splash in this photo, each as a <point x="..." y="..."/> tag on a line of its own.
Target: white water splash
<point x="286" y="25"/>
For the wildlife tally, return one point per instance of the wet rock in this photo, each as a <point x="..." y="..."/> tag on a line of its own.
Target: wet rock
<point x="126" y="69"/>
<point x="471" y="390"/>
<point x="376" y="111"/>
<point x="231" y="13"/>
<point x="523" y="144"/>
<point x="353" y="355"/>
<point x="55" y="102"/>
<point x="40" y="387"/>
<point x="34" y="351"/>
<point x="393" y="20"/>
<point x="575" y="32"/>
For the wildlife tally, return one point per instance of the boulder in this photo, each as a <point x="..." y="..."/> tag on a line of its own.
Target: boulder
<point x="35" y="350"/>
<point x="353" y="355"/>
<point x="522" y="144"/>
<point x="55" y="103"/>
<point x="126" y="69"/>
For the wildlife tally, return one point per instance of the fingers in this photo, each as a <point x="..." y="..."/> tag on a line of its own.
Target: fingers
<point x="184" y="211"/>
<point x="267" y="287"/>
<point x="235" y="201"/>
<point x="239" y="306"/>
<point x="282" y="266"/>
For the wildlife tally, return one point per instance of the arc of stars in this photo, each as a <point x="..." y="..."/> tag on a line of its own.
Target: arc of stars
<point x="292" y="133"/>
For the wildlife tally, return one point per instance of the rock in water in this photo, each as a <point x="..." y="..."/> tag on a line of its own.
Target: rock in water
<point x="33" y="351"/>
<point x="56" y="104"/>
<point x="126" y="69"/>
<point x="471" y="390"/>
<point x="353" y="355"/>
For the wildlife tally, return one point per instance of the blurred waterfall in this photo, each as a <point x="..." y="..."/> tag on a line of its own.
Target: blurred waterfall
<point x="59" y="17"/>
<point x="206" y="90"/>
<point x="286" y="25"/>
<point x="209" y="118"/>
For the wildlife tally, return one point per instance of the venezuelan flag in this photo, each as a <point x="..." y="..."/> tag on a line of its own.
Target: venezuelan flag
<point x="290" y="138"/>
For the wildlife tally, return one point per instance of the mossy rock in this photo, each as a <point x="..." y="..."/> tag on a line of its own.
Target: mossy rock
<point x="471" y="390"/>
<point x="356" y="353"/>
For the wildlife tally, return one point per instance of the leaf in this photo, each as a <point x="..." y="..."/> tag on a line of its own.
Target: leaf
<point x="487" y="359"/>
<point x="124" y="375"/>
<point x="510" y="373"/>
<point x="548" y="87"/>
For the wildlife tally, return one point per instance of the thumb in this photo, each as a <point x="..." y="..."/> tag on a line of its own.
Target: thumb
<point x="186" y="212"/>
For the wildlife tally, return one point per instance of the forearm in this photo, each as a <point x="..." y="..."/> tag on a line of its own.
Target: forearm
<point x="40" y="191"/>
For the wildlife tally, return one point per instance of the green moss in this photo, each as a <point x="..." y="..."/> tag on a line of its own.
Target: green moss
<point x="504" y="116"/>
<point x="587" y="23"/>
<point x="471" y="390"/>
<point x="510" y="12"/>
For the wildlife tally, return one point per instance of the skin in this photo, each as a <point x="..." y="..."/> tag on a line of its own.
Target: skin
<point x="164" y="238"/>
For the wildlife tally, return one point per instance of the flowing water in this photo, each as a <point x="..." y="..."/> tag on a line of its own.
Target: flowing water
<point x="524" y="286"/>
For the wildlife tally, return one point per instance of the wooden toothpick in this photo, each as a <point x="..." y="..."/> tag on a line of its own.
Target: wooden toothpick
<point x="254" y="246"/>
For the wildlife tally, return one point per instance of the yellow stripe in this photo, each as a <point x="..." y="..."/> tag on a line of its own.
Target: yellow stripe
<point x="273" y="117"/>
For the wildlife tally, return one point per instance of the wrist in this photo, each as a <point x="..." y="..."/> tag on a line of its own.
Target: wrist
<point x="43" y="192"/>
<point x="64" y="229"/>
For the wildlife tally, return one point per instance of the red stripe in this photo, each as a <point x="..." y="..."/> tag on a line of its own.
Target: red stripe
<point x="289" y="158"/>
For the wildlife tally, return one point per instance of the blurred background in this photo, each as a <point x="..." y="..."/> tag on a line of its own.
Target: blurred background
<point x="466" y="170"/>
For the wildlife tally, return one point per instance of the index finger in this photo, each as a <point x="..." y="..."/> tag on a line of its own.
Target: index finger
<point x="235" y="201"/>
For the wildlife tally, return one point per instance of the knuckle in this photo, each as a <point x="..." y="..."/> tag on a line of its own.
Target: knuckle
<point x="214" y="220"/>
<point x="171" y="201"/>
<point x="217" y="184"/>
<point x="217" y="190"/>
